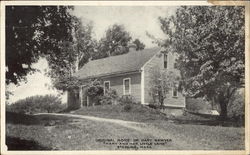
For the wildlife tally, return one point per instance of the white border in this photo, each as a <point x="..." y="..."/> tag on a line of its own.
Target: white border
<point x="126" y="3"/>
<point x="142" y="86"/>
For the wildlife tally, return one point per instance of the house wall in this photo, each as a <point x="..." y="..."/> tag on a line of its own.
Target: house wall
<point x="158" y="62"/>
<point x="78" y="99"/>
<point x="116" y="82"/>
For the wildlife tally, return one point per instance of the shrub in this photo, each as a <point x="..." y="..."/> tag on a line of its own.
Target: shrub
<point x="37" y="104"/>
<point x="154" y="106"/>
<point x="94" y="89"/>
<point x="127" y="99"/>
<point x="95" y="92"/>
<point x="236" y="107"/>
<point x="197" y="104"/>
<point x="110" y="97"/>
<point x="127" y="107"/>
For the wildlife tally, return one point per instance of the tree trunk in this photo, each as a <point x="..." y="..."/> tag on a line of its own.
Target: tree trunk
<point x="224" y="98"/>
<point x="161" y="100"/>
<point x="223" y="113"/>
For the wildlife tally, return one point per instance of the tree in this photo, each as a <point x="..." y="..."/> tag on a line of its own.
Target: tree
<point x="73" y="54"/>
<point x="31" y="32"/>
<point x="84" y="43"/>
<point x="210" y="42"/>
<point x="37" y="104"/>
<point x="115" y="42"/>
<point x="161" y="82"/>
<point x="139" y="44"/>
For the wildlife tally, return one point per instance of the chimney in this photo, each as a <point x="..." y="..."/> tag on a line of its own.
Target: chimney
<point x="132" y="47"/>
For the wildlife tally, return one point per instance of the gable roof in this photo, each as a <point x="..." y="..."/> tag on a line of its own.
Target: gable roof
<point x="131" y="61"/>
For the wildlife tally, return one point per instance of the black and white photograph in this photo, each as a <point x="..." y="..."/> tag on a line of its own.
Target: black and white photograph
<point x="123" y="77"/>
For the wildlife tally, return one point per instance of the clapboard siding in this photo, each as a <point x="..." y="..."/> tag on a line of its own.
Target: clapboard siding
<point x="116" y="82"/>
<point x="158" y="62"/>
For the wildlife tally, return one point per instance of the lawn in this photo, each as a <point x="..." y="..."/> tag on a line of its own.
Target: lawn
<point x="138" y="113"/>
<point x="48" y="132"/>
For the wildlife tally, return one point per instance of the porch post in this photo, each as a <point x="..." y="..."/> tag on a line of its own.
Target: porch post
<point x="80" y="96"/>
<point x="87" y="101"/>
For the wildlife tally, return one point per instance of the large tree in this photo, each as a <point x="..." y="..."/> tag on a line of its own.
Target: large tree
<point x="210" y="41"/>
<point x="115" y="42"/>
<point x="73" y="54"/>
<point x="31" y="32"/>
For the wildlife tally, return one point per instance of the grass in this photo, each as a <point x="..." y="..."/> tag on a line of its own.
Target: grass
<point x="207" y="137"/>
<point x="138" y="112"/>
<point x="47" y="132"/>
<point x="66" y="134"/>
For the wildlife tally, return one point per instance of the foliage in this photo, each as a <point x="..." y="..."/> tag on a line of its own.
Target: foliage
<point x="68" y="83"/>
<point x="7" y="95"/>
<point x="212" y="47"/>
<point x="94" y="88"/>
<point x="115" y="42"/>
<point x="160" y="83"/>
<point x="127" y="107"/>
<point x="236" y="107"/>
<point x="197" y="104"/>
<point x="31" y="32"/>
<point x="126" y="99"/>
<point x="73" y="54"/>
<point x="139" y="44"/>
<point x="37" y="104"/>
<point x="109" y="97"/>
<point x="153" y="106"/>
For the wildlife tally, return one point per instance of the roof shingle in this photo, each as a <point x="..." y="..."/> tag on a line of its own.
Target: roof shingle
<point x="132" y="61"/>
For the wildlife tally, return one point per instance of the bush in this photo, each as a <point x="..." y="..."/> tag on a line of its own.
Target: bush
<point x="197" y="104"/>
<point x="37" y="104"/>
<point x="127" y="107"/>
<point x="236" y="110"/>
<point x="154" y="106"/>
<point x="94" y="89"/>
<point x="110" y="97"/>
<point x="127" y="99"/>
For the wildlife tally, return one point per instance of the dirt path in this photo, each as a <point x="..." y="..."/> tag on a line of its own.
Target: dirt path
<point x="145" y="128"/>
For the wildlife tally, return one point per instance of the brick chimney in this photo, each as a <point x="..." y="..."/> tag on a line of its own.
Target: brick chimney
<point x="132" y="47"/>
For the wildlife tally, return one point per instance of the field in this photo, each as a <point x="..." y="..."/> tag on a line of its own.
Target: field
<point x="105" y="127"/>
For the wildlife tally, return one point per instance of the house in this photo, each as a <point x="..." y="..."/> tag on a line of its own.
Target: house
<point x="129" y="74"/>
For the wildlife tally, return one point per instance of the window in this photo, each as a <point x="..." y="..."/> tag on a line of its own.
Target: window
<point x="175" y="92"/>
<point x="126" y="86"/>
<point x="175" y="64"/>
<point x="106" y="86"/>
<point x="165" y="60"/>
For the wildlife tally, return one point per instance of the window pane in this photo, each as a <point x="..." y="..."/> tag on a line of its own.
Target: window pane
<point x="165" y="60"/>
<point x="175" y="65"/>
<point x="127" y="86"/>
<point x="106" y="85"/>
<point x="175" y="92"/>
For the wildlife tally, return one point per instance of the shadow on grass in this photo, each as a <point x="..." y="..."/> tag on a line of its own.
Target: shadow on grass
<point x="14" y="143"/>
<point x="16" y="118"/>
<point x="201" y="119"/>
<point x="209" y="123"/>
<point x="24" y="119"/>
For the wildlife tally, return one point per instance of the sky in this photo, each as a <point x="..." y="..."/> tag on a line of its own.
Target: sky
<point x="137" y="21"/>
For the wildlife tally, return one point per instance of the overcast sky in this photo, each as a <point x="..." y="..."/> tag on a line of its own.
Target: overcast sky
<point x="137" y="20"/>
